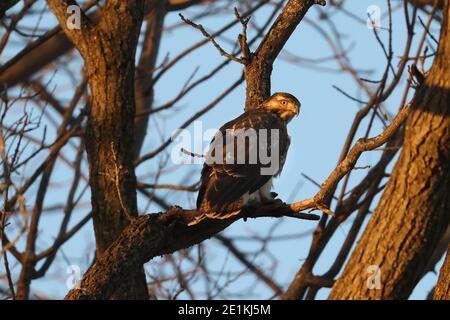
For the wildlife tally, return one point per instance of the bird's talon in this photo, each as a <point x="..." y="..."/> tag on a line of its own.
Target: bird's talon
<point x="271" y="201"/>
<point x="278" y="201"/>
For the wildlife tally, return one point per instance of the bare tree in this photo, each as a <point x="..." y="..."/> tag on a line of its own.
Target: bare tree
<point x="101" y="122"/>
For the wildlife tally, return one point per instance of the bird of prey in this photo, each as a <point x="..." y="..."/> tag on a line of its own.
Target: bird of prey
<point x="243" y="157"/>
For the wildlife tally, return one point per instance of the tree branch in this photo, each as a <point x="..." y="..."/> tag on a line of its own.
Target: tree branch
<point x="154" y="235"/>
<point x="61" y="10"/>
<point x="55" y="43"/>
<point x="212" y="40"/>
<point x="349" y="162"/>
<point x="257" y="74"/>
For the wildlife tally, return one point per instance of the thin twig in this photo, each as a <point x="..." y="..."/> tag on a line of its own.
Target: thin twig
<point x="211" y="38"/>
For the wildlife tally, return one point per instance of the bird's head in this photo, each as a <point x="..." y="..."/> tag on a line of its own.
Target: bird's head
<point x="284" y="104"/>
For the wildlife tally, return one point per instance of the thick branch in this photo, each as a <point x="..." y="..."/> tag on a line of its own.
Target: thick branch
<point x="60" y="9"/>
<point x="257" y="74"/>
<point x="154" y="235"/>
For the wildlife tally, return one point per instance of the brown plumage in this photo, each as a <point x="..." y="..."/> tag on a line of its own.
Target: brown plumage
<point x="235" y="173"/>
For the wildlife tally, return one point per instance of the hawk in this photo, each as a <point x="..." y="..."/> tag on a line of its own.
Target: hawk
<point x="244" y="156"/>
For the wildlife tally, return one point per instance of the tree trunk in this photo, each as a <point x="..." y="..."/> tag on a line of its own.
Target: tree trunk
<point x="442" y="290"/>
<point x="109" y="135"/>
<point x="108" y="50"/>
<point x="413" y="212"/>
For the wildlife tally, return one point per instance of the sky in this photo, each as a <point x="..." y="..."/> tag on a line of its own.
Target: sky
<point x="317" y="136"/>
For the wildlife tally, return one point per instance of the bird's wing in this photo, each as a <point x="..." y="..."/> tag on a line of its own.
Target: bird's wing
<point x="223" y="182"/>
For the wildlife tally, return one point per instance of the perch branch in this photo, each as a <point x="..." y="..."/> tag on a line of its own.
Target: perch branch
<point x="154" y="235"/>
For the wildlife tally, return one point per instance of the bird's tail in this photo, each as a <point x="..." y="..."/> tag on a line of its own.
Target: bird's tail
<point x="197" y="219"/>
<point x="213" y="215"/>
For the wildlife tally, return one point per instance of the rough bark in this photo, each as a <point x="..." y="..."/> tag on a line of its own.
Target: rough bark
<point x="413" y="213"/>
<point x="108" y="50"/>
<point x="442" y="290"/>
<point x="259" y="69"/>
<point x="154" y="235"/>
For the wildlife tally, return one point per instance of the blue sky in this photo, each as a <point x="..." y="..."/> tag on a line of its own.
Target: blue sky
<point x="317" y="135"/>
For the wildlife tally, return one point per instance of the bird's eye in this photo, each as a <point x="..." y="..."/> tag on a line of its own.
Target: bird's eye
<point x="283" y="102"/>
